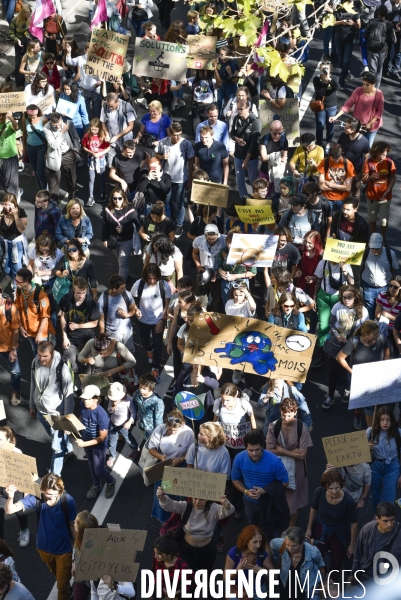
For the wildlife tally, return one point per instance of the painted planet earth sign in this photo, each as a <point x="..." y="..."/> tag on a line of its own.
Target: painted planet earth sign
<point x="189" y="405"/>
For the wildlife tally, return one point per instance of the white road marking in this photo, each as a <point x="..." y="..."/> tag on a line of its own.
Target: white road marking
<point x="308" y="94"/>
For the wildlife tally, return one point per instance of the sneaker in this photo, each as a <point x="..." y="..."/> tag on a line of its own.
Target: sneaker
<point x="10" y="77"/>
<point x="110" y="462"/>
<point x="327" y="402"/>
<point x="248" y="392"/>
<point x="20" y="194"/>
<point x="357" y="422"/>
<point x="365" y="70"/>
<point x="178" y="231"/>
<point x="15" y="399"/>
<point x="349" y="76"/>
<point x="110" y="489"/>
<point x="150" y="356"/>
<point x="91" y="202"/>
<point x="345" y="397"/>
<point x="23" y="538"/>
<point x="392" y="75"/>
<point x="156" y="375"/>
<point x="103" y="197"/>
<point x="326" y="150"/>
<point x="237" y="515"/>
<point x="221" y="544"/>
<point x="21" y="166"/>
<point x="94" y="492"/>
<point x="236" y="378"/>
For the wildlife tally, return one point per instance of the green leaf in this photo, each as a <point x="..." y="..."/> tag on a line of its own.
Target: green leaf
<point x="328" y="21"/>
<point x="281" y="70"/>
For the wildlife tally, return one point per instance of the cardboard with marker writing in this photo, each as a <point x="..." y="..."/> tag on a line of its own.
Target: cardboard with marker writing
<point x="110" y="552"/>
<point x="201" y="51"/>
<point x="20" y="470"/>
<point x="12" y="101"/>
<point x="154" y="58"/>
<point x="249" y="345"/>
<point x="347" y="449"/>
<point x="252" y="249"/>
<point x="207" y="192"/>
<point x="256" y="214"/>
<point x="343" y="251"/>
<point x="289" y="116"/>
<point x="194" y="483"/>
<point x="106" y="54"/>
<point x="155" y="472"/>
<point x="46" y="102"/>
<point x="67" y="423"/>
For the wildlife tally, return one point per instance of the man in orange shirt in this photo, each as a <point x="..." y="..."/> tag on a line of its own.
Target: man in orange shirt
<point x="379" y="174"/>
<point x="9" y="333"/>
<point x="33" y="306"/>
<point x="335" y="177"/>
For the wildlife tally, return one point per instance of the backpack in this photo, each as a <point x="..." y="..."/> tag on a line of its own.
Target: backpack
<point x="283" y="139"/>
<point x="290" y="214"/>
<point x="175" y="523"/>
<point x="36" y="293"/>
<point x="106" y="302"/>
<point x="141" y="288"/>
<point x="59" y="372"/>
<point x="366" y="253"/>
<point x="377" y="36"/>
<point x="334" y="283"/>
<point x="64" y="508"/>
<point x="7" y="310"/>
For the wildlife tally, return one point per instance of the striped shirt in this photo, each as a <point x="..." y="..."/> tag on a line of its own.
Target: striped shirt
<point x="95" y="420"/>
<point x="17" y="32"/>
<point x="393" y="310"/>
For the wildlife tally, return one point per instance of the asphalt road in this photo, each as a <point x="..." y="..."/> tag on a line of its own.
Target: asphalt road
<point x="131" y="506"/>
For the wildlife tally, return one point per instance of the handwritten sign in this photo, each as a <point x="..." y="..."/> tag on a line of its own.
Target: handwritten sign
<point x="347" y="449"/>
<point x="289" y="116"/>
<point x="201" y="51"/>
<point x="103" y="383"/>
<point x="343" y="251"/>
<point x="207" y="192"/>
<point x="110" y="552"/>
<point x="47" y="104"/>
<point x="67" y="423"/>
<point x="252" y="249"/>
<point x="20" y="470"/>
<point x="12" y="101"/>
<point x="258" y="202"/>
<point x="251" y="214"/>
<point x="375" y="384"/>
<point x="153" y="58"/>
<point x="249" y="345"/>
<point x="194" y="484"/>
<point x="106" y="54"/>
<point x="235" y="434"/>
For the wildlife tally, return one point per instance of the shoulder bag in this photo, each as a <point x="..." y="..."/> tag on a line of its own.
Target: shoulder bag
<point x="61" y="286"/>
<point x="146" y="460"/>
<point x="317" y="105"/>
<point x="289" y="464"/>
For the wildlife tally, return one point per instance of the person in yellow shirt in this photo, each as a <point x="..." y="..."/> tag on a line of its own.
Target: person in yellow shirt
<point x="306" y="158"/>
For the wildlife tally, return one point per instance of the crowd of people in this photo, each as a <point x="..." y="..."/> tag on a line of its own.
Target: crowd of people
<point x="141" y="172"/>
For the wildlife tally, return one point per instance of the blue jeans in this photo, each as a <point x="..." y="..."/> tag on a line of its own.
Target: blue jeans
<point x="251" y="511"/>
<point x="344" y="52"/>
<point x="114" y="431"/>
<point x="253" y="173"/>
<point x="97" y="465"/>
<point x="11" y="267"/>
<point x="225" y="91"/>
<point x="329" y="35"/>
<point x="94" y="97"/>
<point x="364" y="48"/>
<point x="322" y="121"/>
<point x="336" y="204"/>
<point x="61" y="445"/>
<point x="15" y="372"/>
<point x="137" y="25"/>
<point x="384" y="481"/>
<point x="370" y="136"/>
<point x="369" y="295"/>
<point x="176" y="197"/>
<point x="36" y="155"/>
<point x="9" y="6"/>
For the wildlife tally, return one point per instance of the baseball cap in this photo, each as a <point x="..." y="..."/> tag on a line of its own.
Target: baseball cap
<point x="90" y="392"/>
<point x="298" y="199"/>
<point x="117" y="391"/>
<point x="376" y="240"/>
<point x="211" y="228"/>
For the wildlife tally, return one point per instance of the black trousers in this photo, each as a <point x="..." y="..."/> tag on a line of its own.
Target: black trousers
<point x="69" y="166"/>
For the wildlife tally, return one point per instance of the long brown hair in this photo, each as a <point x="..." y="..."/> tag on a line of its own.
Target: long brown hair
<point x="84" y="520"/>
<point x="285" y="297"/>
<point x="358" y="300"/>
<point x="392" y="432"/>
<point x="117" y="190"/>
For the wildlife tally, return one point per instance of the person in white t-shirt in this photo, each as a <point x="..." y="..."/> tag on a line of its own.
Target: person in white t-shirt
<point x="116" y="307"/>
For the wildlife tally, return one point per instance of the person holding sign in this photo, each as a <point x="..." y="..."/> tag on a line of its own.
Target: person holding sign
<point x="40" y="93"/>
<point x="84" y="520"/>
<point x="233" y="276"/>
<point x="63" y="144"/>
<point x="70" y="92"/>
<point x="89" y="85"/>
<point x="9" y="155"/>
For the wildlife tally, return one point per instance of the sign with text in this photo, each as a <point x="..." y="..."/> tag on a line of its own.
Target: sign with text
<point x="251" y="214"/>
<point x="66" y="108"/>
<point x="201" y="51"/>
<point x="46" y="104"/>
<point x="68" y="423"/>
<point x="288" y="115"/>
<point x="20" y="470"/>
<point x="347" y="449"/>
<point x="194" y="483"/>
<point x="375" y="384"/>
<point x="106" y="54"/>
<point x="342" y="251"/>
<point x="249" y="345"/>
<point x="110" y="552"/>
<point x="235" y="434"/>
<point x="154" y="58"/>
<point x="207" y="192"/>
<point x="12" y="101"/>
<point x="252" y="249"/>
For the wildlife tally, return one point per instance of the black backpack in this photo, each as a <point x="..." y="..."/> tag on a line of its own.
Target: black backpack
<point x="377" y="35"/>
<point x="36" y="293"/>
<point x="59" y="372"/>
<point x="366" y="253"/>
<point x="141" y="288"/>
<point x="106" y="302"/>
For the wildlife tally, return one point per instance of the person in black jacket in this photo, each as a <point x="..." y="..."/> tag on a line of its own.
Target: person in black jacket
<point x="356" y="148"/>
<point x="320" y="208"/>
<point x="245" y="132"/>
<point x="326" y="87"/>
<point x="155" y="185"/>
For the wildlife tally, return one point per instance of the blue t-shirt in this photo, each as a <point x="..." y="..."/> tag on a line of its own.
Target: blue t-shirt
<point x="53" y="536"/>
<point x="159" y="129"/>
<point x="192" y="29"/>
<point x="94" y="420"/>
<point x="211" y="159"/>
<point x="222" y="69"/>
<point x="232" y="553"/>
<point x="259" y="474"/>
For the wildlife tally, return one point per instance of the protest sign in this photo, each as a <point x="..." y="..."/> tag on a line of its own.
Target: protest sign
<point x="251" y="214"/>
<point x="153" y="58"/>
<point x="110" y="552"/>
<point x="103" y="383"/>
<point x="207" y="192"/>
<point x="258" y="202"/>
<point x="375" y="384"/>
<point x="201" y="51"/>
<point x="249" y="345"/>
<point x="46" y="104"/>
<point x="273" y="6"/>
<point x="155" y="472"/>
<point x="190" y="405"/>
<point x="235" y="434"/>
<point x="289" y="116"/>
<point x="347" y="449"/>
<point x="194" y="483"/>
<point x="67" y="423"/>
<point x="106" y="54"/>
<point x="252" y="249"/>
<point x="20" y="470"/>
<point x="12" y="101"/>
<point x="343" y="251"/>
<point x="66" y="108"/>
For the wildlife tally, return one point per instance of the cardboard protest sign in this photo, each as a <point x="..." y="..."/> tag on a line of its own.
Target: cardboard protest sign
<point x="67" y="423"/>
<point x="12" y="101"/>
<point x="347" y="449"/>
<point x="46" y="104"/>
<point x="201" y="51"/>
<point x="235" y="434"/>
<point x="154" y="58"/>
<point x="110" y="552"/>
<point x="252" y="214"/>
<point x="106" y="54"/>
<point x="249" y="345"/>
<point x="251" y="249"/>
<point x="20" y="470"/>
<point x="343" y="251"/>
<point x="289" y="116"/>
<point x="257" y="202"/>
<point x="375" y="384"/>
<point x="103" y="383"/>
<point x="155" y="472"/>
<point x="207" y="192"/>
<point x="273" y="6"/>
<point x="194" y="483"/>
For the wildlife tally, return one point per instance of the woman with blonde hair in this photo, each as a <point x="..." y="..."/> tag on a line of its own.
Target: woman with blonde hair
<point x="18" y="34"/>
<point x="75" y="224"/>
<point x="83" y="520"/>
<point x="13" y="222"/>
<point x="32" y="62"/>
<point x="154" y="123"/>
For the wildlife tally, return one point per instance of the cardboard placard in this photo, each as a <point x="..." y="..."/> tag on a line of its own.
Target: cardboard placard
<point x="102" y="382"/>
<point x="289" y="116"/>
<point x="347" y="449"/>
<point x="194" y="483"/>
<point x="153" y="58"/>
<point x="201" y="51"/>
<point x="67" y="423"/>
<point x="66" y="108"/>
<point x="249" y="345"/>
<point x="253" y="249"/>
<point x="110" y="552"/>
<point x="106" y="54"/>
<point x="155" y="472"/>
<point x="342" y="251"/>
<point x="46" y="104"/>
<point x="20" y="470"/>
<point x="378" y="383"/>
<point x="12" y="101"/>
<point x="257" y="202"/>
<point x="262" y="215"/>
<point x="207" y="192"/>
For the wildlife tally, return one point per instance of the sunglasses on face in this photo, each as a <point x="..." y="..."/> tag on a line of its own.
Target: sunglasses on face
<point x="174" y="420"/>
<point x="350" y="297"/>
<point x="395" y="287"/>
<point x="288" y="305"/>
<point x="72" y="249"/>
<point x="239" y="284"/>
<point x="50" y="62"/>
<point x="117" y="197"/>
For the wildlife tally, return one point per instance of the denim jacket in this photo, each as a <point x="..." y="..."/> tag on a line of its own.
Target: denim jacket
<point x="312" y="563"/>
<point x="66" y="231"/>
<point x="47" y="220"/>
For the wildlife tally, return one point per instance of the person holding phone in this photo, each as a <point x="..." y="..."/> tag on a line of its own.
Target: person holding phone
<point x="326" y="87"/>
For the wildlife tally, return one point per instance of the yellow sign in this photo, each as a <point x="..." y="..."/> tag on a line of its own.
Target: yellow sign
<point x="252" y="214"/>
<point x="343" y="251"/>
